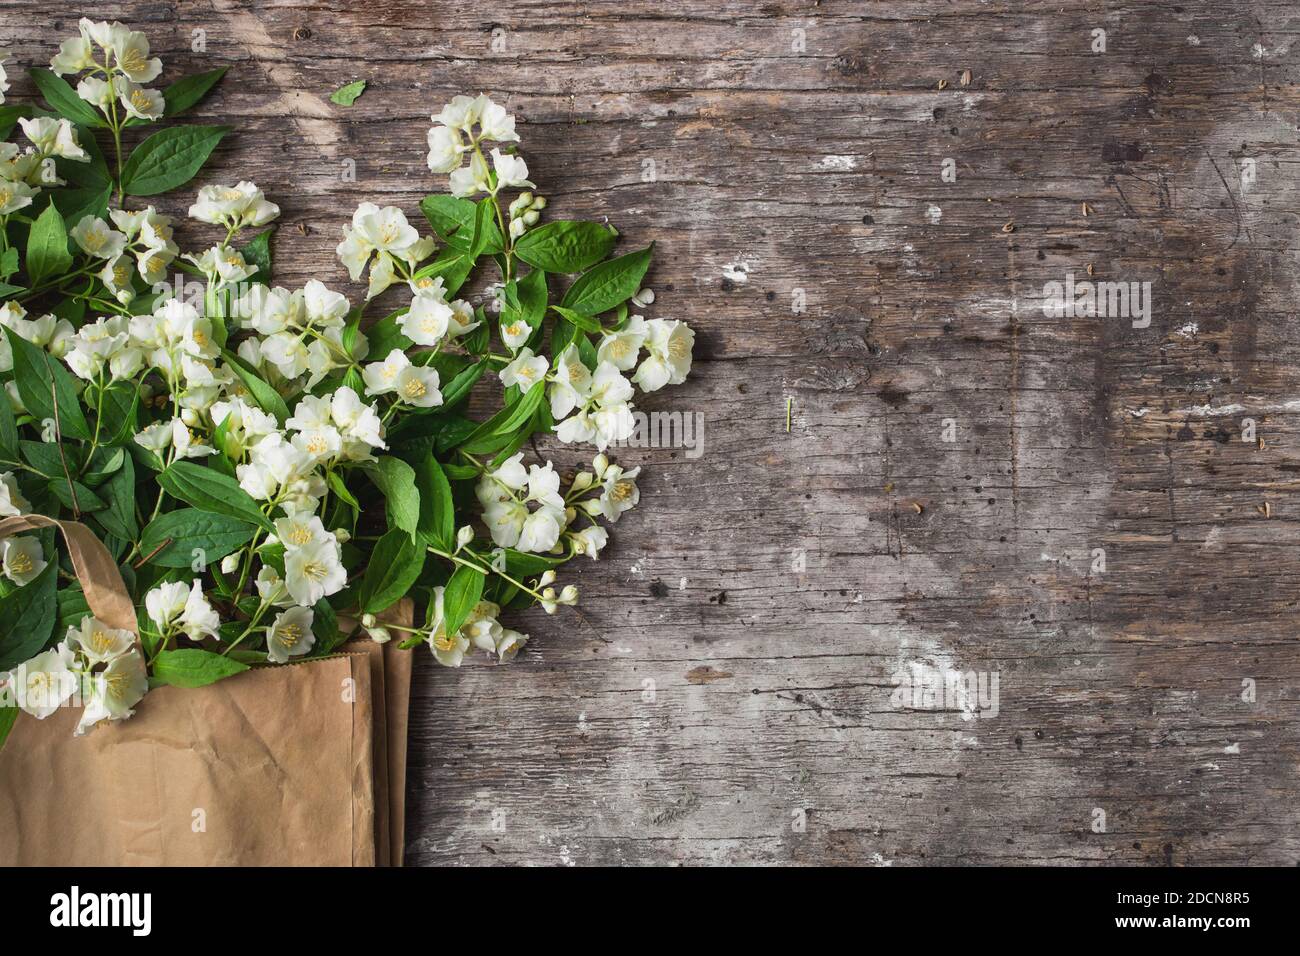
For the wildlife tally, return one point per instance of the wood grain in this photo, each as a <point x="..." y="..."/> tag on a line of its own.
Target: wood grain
<point x="772" y="588"/>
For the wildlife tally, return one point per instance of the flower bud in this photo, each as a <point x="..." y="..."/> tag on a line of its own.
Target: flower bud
<point x="190" y="417"/>
<point x="592" y="507"/>
<point x="380" y="635"/>
<point x="548" y="577"/>
<point x="530" y="218"/>
<point x="230" y="563"/>
<point x="367" y="620"/>
<point x="582" y="481"/>
<point x="570" y="513"/>
<point x="599" y="464"/>
<point x="464" y="536"/>
<point x="539" y="203"/>
<point x="569" y="595"/>
<point x="643" y="298"/>
<point x="342" y="535"/>
<point x="517" y="228"/>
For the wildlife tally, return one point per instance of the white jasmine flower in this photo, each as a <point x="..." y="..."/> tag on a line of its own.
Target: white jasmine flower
<point x="320" y="442"/>
<point x="495" y="123"/>
<point x="287" y="352"/>
<point x="165" y="603"/>
<point x="75" y="54"/>
<point x="381" y="377"/>
<point x="448" y="649"/>
<point x="131" y="54"/>
<point x="235" y="206"/>
<point x="324" y="308"/>
<point x="461" y="113"/>
<point x="114" y="691"/>
<point x="22" y="559"/>
<point x="97" y="239"/>
<point x="313" y="572"/>
<point x="445" y="149"/>
<point x="571" y="385"/>
<point x="15" y="196"/>
<point x="471" y="179"/>
<point x="116" y="276"/>
<point x="464" y="536"/>
<point x="291" y="635"/>
<point x="427" y="321"/>
<point x="669" y="361"/>
<point x="590" y="541"/>
<point x="223" y="265"/>
<point x="95" y="343"/>
<point x="418" y="386"/>
<point x="620" y="492"/>
<point x="525" y="371"/>
<point x="199" y="620"/>
<point x="155" y="437"/>
<point x="186" y="444"/>
<point x="359" y="422"/>
<point x="271" y="587"/>
<point x="96" y="92"/>
<point x="139" y="101"/>
<point x="508" y="645"/>
<point x="270" y="311"/>
<point x="515" y="334"/>
<point x="302" y="531"/>
<point x="541" y="528"/>
<point x="53" y="137"/>
<point x="99" y="642"/>
<point x="621" y="348"/>
<point x="512" y="172"/>
<point x="45" y="682"/>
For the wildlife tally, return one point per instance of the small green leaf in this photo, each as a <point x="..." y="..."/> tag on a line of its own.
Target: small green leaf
<point x="267" y="398"/>
<point x="437" y="509"/>
<point x="85" y="500"/>
<point x="565" y="246"/>
<point x="606" y="285"/>
<point x="209" y="490"/>
<point x="47" y="247"/>
<point x="169" y="158"/>
<point x="341" y="490"/>
<point x="257" y="252"/>
<point x="396" y="480"/>
<point x="9" y="116"/>
<point x="177" y="535"/>
<point x="27" y="618"/>
<point x="44" y="385"/>
<point x="499" y="429"/>
<point x="462" y="593"/>
<point x="193" y="667"/>
<point x="584" y="322"/>
<point x="347" y="95"/>
<point x="119" y="492"/>
<point x="394" y="566"/>
<point x="63" y="99"/>
<point x="8" y="429"/>
<point x="186" y="92"/>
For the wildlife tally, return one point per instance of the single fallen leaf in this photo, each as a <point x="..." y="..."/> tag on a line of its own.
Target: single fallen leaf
<point x="347" y="95"/>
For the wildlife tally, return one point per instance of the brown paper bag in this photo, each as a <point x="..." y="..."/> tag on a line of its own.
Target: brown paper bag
<point x="277" y="766"/>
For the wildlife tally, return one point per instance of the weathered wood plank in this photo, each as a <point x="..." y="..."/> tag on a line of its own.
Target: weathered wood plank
<point x="773" y="587"/>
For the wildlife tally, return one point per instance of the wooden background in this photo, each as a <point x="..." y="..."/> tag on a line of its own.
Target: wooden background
<point x="772" y="588"/>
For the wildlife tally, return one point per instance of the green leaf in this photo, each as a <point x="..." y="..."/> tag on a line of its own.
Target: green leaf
<point x="45" y="457"/>
<point x="27" y="618"/>
<point x="396" y="480"/>
<point x="63" y="99"/>
<point x="119" y="492"/>
<point x="169" y="158"/>
<point x="462" y="593"/>
<point x="609" y="283"/>
<point x="446" y="214"/>
<point x="9" y="116"/>
<point x="47" y="247"/>
<point x="180" y="533"/>
<point x="565" y="246"/>
<point x="386" y="335"/>
<point x="347" y="95"/>
<point x="500" y="428"/>
<point x="43" y="385"/>
<point x="394" y="566"/>
<point x="458" y="389"/>
<point x="437" y="509"/>
<point x="8" y="717"/>
<point x="584" y="322"/>
<point x="257" y="252"/>
<point x="103" y="464"/>
<point x="341" y="490"/>
<point x="531" y="294"/>
<point x="193" y="667"/>
<point x="209" y="490"/>
<point x="8" y="429"/>
<point x="77" y="204"/>
<point x="267" y="398"/>
<point x="86" y="500"/>
<point x="186" y="92"/>
<point x="325" y="625"/>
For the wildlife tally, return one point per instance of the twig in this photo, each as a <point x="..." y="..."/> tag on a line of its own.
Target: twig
<point x="58" y="437"/>
<point x="139" y="564"/>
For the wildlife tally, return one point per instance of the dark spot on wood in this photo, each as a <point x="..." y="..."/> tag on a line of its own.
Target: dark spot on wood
<point x="892" y="396"/>
<point x="658" y="588"/>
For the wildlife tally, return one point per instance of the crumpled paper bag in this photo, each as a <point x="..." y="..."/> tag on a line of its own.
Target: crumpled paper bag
<point x="300" y="765"/>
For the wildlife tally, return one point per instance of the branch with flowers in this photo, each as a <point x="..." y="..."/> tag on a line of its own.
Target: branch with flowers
<point x="263" y="462"/>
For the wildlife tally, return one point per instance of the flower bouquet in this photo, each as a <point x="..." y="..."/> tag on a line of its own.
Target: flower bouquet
<point x="236" y="468"/>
